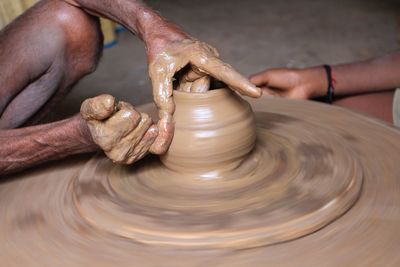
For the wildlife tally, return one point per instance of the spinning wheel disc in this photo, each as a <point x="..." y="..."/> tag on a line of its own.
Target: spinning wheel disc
<point x="289" y="186"/>
<point x="67" y="214"/>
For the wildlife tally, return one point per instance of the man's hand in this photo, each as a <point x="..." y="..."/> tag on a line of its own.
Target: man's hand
<point x="169" y="49"/>
<point x="292" y="83"/>
<point x="124" y="134"/>
<point x="203" y="61"/>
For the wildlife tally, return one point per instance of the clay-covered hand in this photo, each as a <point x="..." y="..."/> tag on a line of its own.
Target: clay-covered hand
<point x="292" y="83"/>
<point x="202" y="61"/>
<point x="123" y="133"/>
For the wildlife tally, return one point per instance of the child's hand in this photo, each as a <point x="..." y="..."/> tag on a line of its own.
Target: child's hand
<point x="292" y="83"/>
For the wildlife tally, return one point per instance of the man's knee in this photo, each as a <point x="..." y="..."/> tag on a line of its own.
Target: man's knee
<point x="82" y="36"/>
<point x="63" y="45"/>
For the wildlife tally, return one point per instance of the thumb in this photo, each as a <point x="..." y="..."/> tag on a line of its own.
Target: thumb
<point x="98" y="108"/>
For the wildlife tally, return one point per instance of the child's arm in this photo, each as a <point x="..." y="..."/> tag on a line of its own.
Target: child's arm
<point x="354" y="78"/>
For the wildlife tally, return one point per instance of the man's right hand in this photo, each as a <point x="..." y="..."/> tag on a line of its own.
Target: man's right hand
<point x="203" y="61"/>
<point x="123" y="133"/>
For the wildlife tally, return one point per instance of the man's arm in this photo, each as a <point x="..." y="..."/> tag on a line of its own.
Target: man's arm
<point x="169" y="49"/>
<point x="137" y="17"/>
<point x="123" y="133"/>
<point x="26" y="147"/>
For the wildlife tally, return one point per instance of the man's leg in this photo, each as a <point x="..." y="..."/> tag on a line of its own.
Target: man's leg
<point x="378" y="104"/>
<point x="42" y="55"/>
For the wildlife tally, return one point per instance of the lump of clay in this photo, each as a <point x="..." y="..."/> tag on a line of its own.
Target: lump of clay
<point x="214" y="131"/>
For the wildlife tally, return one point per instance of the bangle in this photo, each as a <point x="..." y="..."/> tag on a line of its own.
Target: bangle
<point x="330" y="92"/>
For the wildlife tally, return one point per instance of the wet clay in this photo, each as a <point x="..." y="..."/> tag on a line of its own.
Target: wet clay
<point x="203" y="61"/>
<point x="310" y="193"/>
<point x="124" y="134"/>
<point x="217" y="188"/>
<point x="214" y="132"/>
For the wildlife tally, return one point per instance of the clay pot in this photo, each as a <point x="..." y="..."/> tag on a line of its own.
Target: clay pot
<point x="214" y="132"/>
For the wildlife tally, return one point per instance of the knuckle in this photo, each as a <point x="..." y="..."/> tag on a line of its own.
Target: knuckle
<point x="129" y="116"/>
<point x="146" y="121"/>
<point x="125" y="105"/>
<point x="98" y="108"/>
<point x="145" y="116"/>
<point x="158" y="100"/>
<point x="116" y="156"/>
<point x="105" y="99"/>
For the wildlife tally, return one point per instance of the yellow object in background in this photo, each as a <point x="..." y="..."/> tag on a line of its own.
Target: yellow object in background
<point x="10" y="9"/>
<point x="108" y="29"/>
<point x="28" y="3"/>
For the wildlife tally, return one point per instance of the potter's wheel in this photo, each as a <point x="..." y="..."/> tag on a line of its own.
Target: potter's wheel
<point x="286" y="188"/>
<point x="324" y="189"/>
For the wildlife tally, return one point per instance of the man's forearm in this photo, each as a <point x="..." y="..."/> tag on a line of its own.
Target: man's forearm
<point x="26" y="147"/>
<point x="135" y="16"/>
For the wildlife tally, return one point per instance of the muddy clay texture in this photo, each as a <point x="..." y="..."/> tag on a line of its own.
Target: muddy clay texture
<point x="201" y="61"/>
<point x="320" y="187"/>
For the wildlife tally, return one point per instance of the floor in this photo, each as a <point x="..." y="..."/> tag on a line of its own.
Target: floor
<point x="251" y="35"/>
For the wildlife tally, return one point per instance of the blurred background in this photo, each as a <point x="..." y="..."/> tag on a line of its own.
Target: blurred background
<point x="251" y="35"/>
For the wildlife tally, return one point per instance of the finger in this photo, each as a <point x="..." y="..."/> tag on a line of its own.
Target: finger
<point x="125" y="119"/>
<point x="184" y="86"/>
<point x="213" y="50"/>
<point x="281" y="78"/>
<point x="164" y="138"/>
<point x="162" y="92"/>
<point x="124" y="148"/>
<point x="186" y="81"/>
<point x="142" y="148"/>
<point x="225" y="73"/>
<point x="260" y="78"/>
<point x="269" y="91"/>
<point x="124" y="105"/>
<point x="201" y="85"/>
<point x="295" y="94"/>
<point x="107" y="133"/>
<point x="192" y="75"/>
<point x="98" y="108"/>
